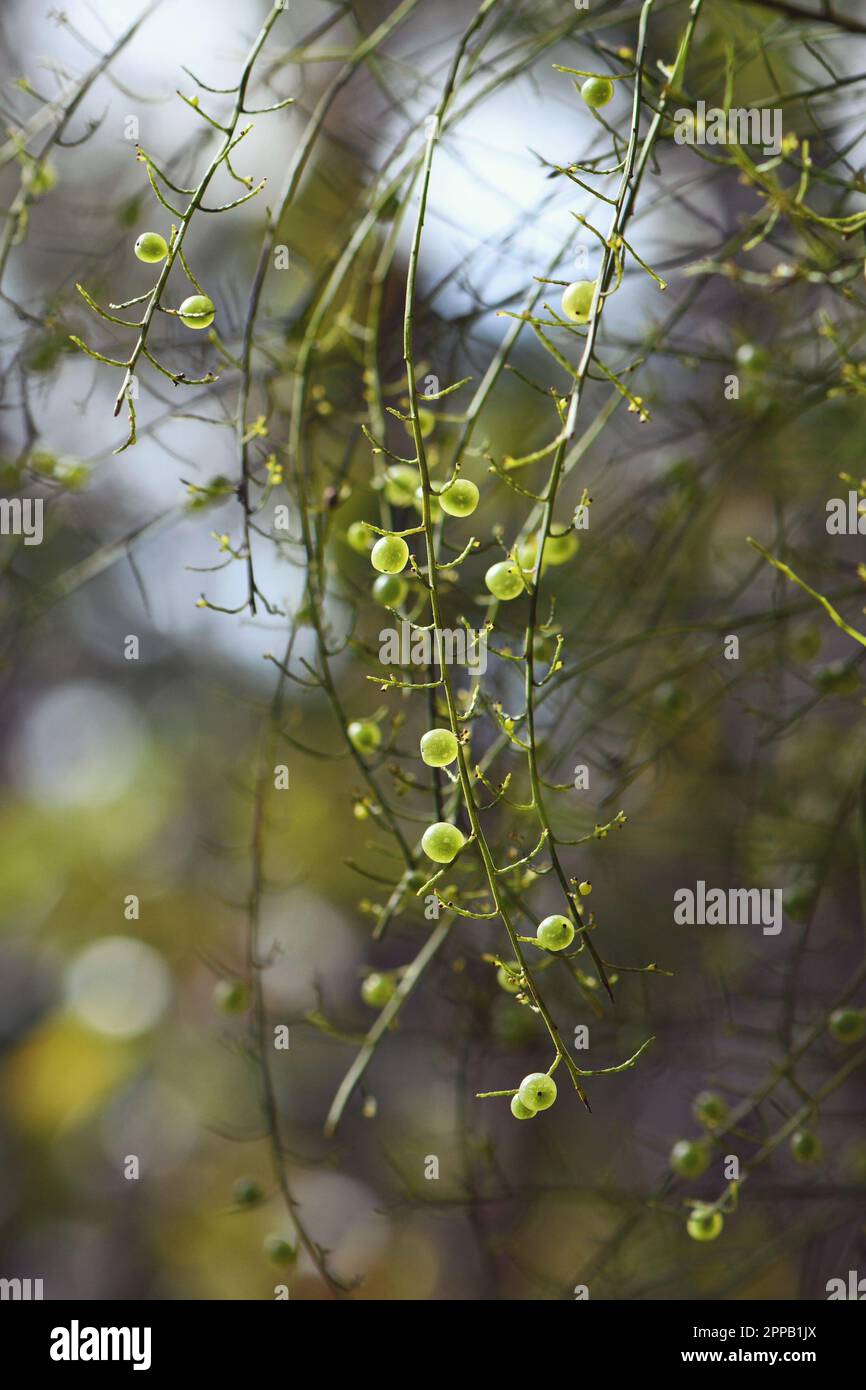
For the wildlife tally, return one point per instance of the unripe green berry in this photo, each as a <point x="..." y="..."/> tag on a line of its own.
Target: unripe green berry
<point x="360" y="537"/>
<point x="689" y="1158"/>
<point x="597" y="91"/>
<point x="438" y="747"/>
<point x="584" y="888"/>
<point x="427" y="421"/>
<point x="504" y="580"/>
<point x="390" y="589"/>
<point x="418" y="503"/>
<point x="709" y="1109"/>
<point x="247" y="1192"/>
<point x="460" y="499"/>
<point x="401" y="480"/>
<point x="577" y="300"/>
<point x="151" y="248"/>
<point x="364" y="735"/>
<point x="558" y="550"/>
<point x="442" y="841"/>
<point x="847" y="1025"/>
<point x="555" y="933"/>
<point x="806" y="1147"/>
<point x="231" y="996"/>
<point x="197" y="311"/>
<point x="280" y="1251"/>
<point x="377" y="989"/>
<point x="508" y="977"/>
<point x="704" y="1223"/>
<point x="521" y="1111"/>
<point x="537" y="1091"/>
<point x="389" y="555"/>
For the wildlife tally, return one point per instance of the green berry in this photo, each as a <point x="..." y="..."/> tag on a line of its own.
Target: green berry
<point x="584" y="888"/>
<point x="504" y="580"/>
<point x="709" y="1109"/>
<point x="280" y="1251"/>
<point x="521" y="1111"/>
<point x="197" y="311"/>
<point x="231" y="996"/>
<point x="705" y="1224"/>
<point x="247" y="1192"/>
<point x="597" y="91"/>
<point x="427" y="421"/>
<point x="360" y="537"/>
<point x="418" y="503"/>
<point x="806" y="1147"/>
<point x="751" y="358"/>
<point x="508" y="977"/>
<point x="401" y="480"/>
<point x="442" y="841"/>
<point x="837" y="678"/>
<point x="577" y="300"/>
<point x="364" y="735"/>
<point x="438" y="747"/>
<point x="460" y="499"/>
<point x="537" y="1091"/>
<point x="389" y="555"/>
<point x="558" y="550"/>
<point x="151" y="248"/>
<point x="847" y="1025"/>
<point x="390" y="590"/>
<point x="555" y="933"/>
<point x="689" y="1158"/>
<point x="377" y="989"/>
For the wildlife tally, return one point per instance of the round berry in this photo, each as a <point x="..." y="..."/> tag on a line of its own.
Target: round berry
<point x="401" y="480"/>
<point x="247" y="1192"/>
<point x="439" y="747"/>
<point x="504" y="580"/>
<point x="197" y="311"/>
<point x="280" y="1251"/>
<point x="597" y="91"/>
<point x="442" y="841"/>
<point x="751" y="358"/>
<point x="806" y="1147"/>
<point x="537" y="1091"/>
<point x="705" y="1224"/>
<point x="360" y="537"/>
<point x="460" y="499"/>
<point x="508" y="977"/>
<point x="837" y="678"/>
<point x="151" y="248"/>
<point x="710" y="1109"/>
<point x="558" y="550"/>
<point x="584" y="888"/>
<point x="847" y="1025"/>
<point x="689" y="1158"/>
<point x="390" y="590"/>
<point x="577" y="300"/>
<point x="377" y="989"/>
<point x="418" y="503"/>
<point x="521" y="1111"/>
<point x="231" y="996"/>
<point x="555" y="933"/>
<point x="389" y="555"/>
<point x="427" y="421"/>
<point x="364" y="735"/>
